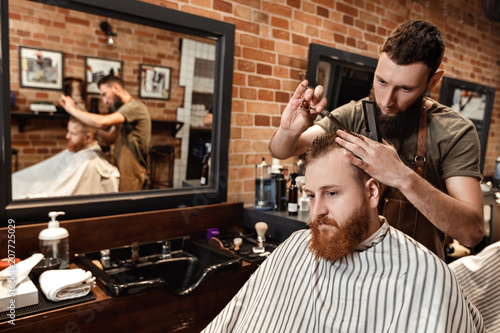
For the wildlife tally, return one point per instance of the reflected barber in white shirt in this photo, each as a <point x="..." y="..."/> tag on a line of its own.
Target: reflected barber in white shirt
<point x="351" y="272"/>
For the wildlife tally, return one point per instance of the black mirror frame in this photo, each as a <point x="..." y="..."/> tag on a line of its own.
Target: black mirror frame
<point x="318" y="52"/>
<point x="36" y="210"/>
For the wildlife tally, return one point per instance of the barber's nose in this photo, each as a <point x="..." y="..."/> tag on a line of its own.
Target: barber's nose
<point x="387" y="98"/>
<point x="67" y="135"/>
<point x="318" y="208"/>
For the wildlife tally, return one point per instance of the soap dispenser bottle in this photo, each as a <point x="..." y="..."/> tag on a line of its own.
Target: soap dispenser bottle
<point x="54" y="241"/>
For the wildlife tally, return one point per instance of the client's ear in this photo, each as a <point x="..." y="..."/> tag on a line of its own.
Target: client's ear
<point x="373" y="188"/>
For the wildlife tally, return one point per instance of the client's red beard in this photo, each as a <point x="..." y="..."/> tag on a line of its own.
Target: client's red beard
<point x="336" y="241"/>
<point x="75" y="146"/>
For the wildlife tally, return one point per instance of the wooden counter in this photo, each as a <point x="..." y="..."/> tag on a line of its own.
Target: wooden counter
<point x="151" y="311"/>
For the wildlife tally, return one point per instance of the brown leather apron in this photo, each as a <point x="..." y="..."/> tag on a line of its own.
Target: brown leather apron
<point x="401" y="213"/>
<point x="132" y="173"/>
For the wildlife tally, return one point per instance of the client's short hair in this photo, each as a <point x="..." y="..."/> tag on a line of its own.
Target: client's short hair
<point x="85" y="128"/>
<point x="325" y="144"/>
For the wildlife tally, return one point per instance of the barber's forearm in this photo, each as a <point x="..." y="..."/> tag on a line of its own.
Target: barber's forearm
<point x="283" y="144"/>
<point x="460" y="220"/>
<point x="84" y="116"/>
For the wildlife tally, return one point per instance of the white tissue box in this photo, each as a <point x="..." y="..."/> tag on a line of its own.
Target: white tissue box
<point x="25" y="294"/>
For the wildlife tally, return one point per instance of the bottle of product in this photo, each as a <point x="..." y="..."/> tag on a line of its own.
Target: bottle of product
<point x="293" y="196"/>
<point x="497" y="169"/>
<point x="300" y="165"/>
<point x="205" y="164"/>
<point x="205" y="169"/>
<point x="54" y="242"/>
<point x="263" y="187"/>
<point x="275" y="171"/>
<point x="280" y="191"/>
<point x="304" y="201"/>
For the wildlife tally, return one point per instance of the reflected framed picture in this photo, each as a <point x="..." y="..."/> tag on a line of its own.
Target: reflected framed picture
<point x="475" y="101"/>
<point x="154" y="82"/>
<point x="96" y="68"/>
<point x="39" y="68"/>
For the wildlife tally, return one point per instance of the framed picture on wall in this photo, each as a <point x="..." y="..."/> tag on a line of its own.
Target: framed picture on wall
<point x="96" y="68"/>
<point x="154" y="82"/>
<point x="39" y="68"/>
<point x="475" y="101"/>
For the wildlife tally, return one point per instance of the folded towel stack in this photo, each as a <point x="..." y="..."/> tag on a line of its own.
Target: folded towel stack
<point x="59" y="285"/>
<point x="18" y="272"/>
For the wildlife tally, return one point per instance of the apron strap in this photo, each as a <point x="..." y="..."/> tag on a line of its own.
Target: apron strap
<point x="421" y="142"/>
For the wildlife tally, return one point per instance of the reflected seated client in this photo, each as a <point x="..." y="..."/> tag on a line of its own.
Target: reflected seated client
<point x="80" y="169"/>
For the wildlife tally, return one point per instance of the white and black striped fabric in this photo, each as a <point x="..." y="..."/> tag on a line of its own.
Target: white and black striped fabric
<point x="479" y="277"/>
<point x="397" y="285"/>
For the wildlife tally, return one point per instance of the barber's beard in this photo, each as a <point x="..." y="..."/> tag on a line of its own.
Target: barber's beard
<point x="402" y="124"/>
<point x="336" y="241"/>
<point x="75" y="146"/>
<point x="116" y="105"/>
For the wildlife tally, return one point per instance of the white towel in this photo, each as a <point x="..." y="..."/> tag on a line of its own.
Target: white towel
<point x="59" y="285"/>
<point x="18" y="272"/>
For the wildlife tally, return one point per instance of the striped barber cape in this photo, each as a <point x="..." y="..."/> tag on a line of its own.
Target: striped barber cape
<point x="396" y="285"/>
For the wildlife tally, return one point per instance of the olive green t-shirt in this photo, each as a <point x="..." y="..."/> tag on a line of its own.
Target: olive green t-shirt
<point x="137" y="129"/>
<point x="452" y="147"/>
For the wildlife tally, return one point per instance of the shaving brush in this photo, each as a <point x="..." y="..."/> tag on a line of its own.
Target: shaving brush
<point x="261" y="228"/>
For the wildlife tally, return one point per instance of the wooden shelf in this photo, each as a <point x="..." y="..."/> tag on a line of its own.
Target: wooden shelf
<point x="22" y="116"/>
<point x="173" y="126"/>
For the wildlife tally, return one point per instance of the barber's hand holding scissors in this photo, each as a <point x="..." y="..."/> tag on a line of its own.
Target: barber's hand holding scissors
<point x="296" y="119"/>
<point x="379" y="160"/>
<point x="66" y="102"/>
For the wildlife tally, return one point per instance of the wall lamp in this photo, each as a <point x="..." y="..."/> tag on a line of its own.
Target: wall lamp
<point x="111" y="36"/>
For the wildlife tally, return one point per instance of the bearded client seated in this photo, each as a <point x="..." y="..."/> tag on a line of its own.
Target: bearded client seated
<point x="80" y="169"/>
<point x="352" y="271"/>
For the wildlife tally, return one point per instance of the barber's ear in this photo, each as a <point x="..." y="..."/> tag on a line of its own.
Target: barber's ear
<point x="373" y="189"/>
<point x="435" y="79"/>
<point x="115" y="87"/>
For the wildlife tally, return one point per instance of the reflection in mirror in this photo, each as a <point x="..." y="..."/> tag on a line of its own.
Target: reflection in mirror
<point x="346" y="76"/>
<point x="185" y="67"/>
<point x="475" y="101"/>
<point x="177" y="64"/>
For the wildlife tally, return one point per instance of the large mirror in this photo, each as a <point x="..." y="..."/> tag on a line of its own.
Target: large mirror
<point x="475" y="101"/>
<point x="179" y="65"/>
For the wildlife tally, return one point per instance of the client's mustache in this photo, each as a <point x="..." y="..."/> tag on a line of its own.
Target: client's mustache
<point x="324" y="220"/>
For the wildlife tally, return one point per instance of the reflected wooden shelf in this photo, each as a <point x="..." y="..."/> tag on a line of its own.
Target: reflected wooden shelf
<point x="173" y="126"/>
<point x="21" y="116"/>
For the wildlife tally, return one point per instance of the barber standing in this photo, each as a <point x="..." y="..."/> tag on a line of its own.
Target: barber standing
<point x="429" y="162"/>
<point x="131" y="138"/>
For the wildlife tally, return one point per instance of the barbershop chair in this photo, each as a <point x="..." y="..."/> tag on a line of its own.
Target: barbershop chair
<point x="478" y="276"/>
<point x="159" y="158"/>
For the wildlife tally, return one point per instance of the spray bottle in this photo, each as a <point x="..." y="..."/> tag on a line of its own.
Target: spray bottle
<point x="280" y="191"/>
<point x="54" y="242"/>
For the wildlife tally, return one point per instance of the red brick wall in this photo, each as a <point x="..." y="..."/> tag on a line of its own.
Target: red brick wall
<point x="272" y="39"/>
